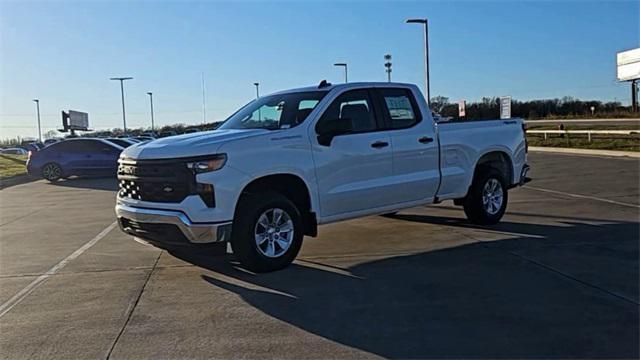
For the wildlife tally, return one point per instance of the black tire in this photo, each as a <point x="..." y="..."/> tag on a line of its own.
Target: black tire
<point x="245" y="225"/>
<point x="474" y="207"/>
<point x="52" y="172"/>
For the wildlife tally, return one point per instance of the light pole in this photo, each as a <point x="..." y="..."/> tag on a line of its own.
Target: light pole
<point x="387" y="65"/>
<point x="426" y="56"/>
<point x="38" y="112"/>
<point x="346" y="79"/>
<point x="204" y="104"/>
<point x="151" y="102"/>
<point x="124" y="119"/>
<point x="257" y="85"/>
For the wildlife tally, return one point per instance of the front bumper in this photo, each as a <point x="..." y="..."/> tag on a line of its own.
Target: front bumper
<point x="169" y="227"/>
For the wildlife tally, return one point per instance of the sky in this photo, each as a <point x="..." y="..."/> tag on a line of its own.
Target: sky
<point x="63" y="53"/>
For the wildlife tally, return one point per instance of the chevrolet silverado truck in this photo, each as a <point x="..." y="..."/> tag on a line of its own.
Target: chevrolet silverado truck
<point x="290" y="161"/>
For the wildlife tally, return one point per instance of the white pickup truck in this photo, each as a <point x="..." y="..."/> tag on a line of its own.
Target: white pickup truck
<point x="289" y="161"/>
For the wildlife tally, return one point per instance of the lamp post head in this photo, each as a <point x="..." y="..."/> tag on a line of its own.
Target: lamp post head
<point x="36" y="100"/>
<point x="149" y="93"/>
<point x="416" y="21"/>
<point x="121" y="78"/>
<point x="256" y="84"/>
<point x="340" y="64"/>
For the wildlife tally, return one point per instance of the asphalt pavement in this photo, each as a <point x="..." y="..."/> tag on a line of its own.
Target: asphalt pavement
<point x="557" y="278"/>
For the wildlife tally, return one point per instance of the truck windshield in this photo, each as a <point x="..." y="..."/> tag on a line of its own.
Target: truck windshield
<point x="279" y="111"/>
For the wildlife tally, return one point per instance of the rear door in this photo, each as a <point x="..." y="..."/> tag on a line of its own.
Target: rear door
<point x="353" y="171"/>
<point x="105" y="157"/>
<point x="416" y="172"/>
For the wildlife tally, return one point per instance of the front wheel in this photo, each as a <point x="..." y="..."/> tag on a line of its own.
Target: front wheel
<point x="267" y="232"/>
<point x="52" y="172"/>
<point x="486" y="202"/>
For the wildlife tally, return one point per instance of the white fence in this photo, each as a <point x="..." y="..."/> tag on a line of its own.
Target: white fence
<point x="588" y="132"/>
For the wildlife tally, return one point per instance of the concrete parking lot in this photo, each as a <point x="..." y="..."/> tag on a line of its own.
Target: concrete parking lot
<point x="558" y="278"/>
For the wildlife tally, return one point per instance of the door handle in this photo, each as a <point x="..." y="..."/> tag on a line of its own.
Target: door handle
<point x="379" y="144"/>
<point x="425" y="139"/>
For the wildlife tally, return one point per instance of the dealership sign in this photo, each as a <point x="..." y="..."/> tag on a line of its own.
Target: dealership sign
<point x="462" y="105"/>
<point x="628" y="65"/>
<point x="505" y="107"/>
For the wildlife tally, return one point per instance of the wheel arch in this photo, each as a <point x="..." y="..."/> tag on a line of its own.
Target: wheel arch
<point x="291" y="186"/>
<point x="499" y="160"/>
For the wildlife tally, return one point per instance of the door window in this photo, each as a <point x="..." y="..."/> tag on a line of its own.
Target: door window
<point x="354" y="106"/>
<point x="401" y="108"/>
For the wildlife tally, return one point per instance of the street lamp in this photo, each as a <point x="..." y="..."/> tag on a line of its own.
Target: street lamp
<point x="122" y="79"/>
<point x="38" y="112"/>
<point x="346" y="79"/>
<point x="426" y="55"/>
<point x="257" y="85"/>
<point x="151" y="102"/>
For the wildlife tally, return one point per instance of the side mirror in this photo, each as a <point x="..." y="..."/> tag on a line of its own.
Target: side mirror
<point x="332" y="128"/>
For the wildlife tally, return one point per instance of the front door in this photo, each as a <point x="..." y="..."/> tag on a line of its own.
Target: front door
<point x="353" y="169"/>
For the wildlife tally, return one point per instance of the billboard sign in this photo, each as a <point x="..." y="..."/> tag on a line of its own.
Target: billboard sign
<point x="462" y="108"/>
<point x="628" y="65"/>
<point x="505" y="107"/>
<point x="75" y="120"/>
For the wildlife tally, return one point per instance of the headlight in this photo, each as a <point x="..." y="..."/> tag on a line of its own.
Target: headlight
<point x="213" y="163"/>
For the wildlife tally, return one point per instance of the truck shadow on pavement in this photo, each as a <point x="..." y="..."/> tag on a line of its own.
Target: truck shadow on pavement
<point x="570" y="291"/>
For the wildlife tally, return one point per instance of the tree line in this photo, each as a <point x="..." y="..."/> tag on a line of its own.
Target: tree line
<point x="567" y="107"/>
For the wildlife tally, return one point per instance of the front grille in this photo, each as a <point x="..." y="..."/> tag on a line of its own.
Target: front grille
<point x="166" y="181"/>
<point x="153" y="191"/>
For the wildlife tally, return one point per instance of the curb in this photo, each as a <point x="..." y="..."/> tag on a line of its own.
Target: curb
<point x="574" y="151"/>
<point x="16" y="180"/>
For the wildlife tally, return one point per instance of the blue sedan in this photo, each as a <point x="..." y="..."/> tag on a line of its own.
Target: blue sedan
<point x="81" y="156"/>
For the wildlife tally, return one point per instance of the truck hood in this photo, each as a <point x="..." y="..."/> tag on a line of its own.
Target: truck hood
<point x="187" y="145"/>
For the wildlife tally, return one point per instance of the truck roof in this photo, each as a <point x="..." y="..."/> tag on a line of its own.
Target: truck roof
<point x="354" y="85"/>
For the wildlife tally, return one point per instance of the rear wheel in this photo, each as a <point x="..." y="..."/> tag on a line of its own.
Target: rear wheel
<point x="267" y="232"/>
<point x="52" y="172"/>
<point x="486" y="202"/>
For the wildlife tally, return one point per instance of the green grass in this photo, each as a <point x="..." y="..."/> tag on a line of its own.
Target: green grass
<point x="620" y="143"/>
<point x="12" y="165"/>
<point x="533" y="126"/>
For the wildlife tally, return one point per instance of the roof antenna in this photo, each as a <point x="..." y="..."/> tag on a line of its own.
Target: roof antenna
<point x="324" y="84"/>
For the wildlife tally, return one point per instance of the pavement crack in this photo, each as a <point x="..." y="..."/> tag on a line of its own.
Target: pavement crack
<point x="133" y="307"/>
<point x="571" y="277"/>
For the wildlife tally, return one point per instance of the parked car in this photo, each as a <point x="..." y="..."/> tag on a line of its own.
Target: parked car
<point x="167" y="134"/>
<point x="192" y="130"/>
<point x="51" y="141"/>
<point x="124" y="142"/>
<point x="14" y="151"/>
<point x="144" y="138"/>
<point x="289" y="161"/>
<point x="31" y="146"/>
<point x="80" y="156"/>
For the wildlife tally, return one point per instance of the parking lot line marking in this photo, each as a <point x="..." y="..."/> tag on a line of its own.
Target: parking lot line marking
<point x="583" y="197"/>
<point x="17" y="298"/>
